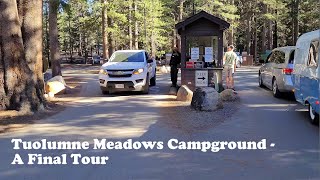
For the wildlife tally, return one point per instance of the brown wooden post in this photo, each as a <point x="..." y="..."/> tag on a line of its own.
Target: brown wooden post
<point x="183" y="50"/>
<point x="220" y="49"/>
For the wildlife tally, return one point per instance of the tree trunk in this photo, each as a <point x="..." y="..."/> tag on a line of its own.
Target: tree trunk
<point x="248" y="46"/>
<point x="130" y="25"/>
<point x="70" y="40"/>
<point x="292" y="21"/>
<point x="85" y="49"/>
<point x="136" y="33"/>
<point x="104" y="30"/>
<point x="153" y="44"/>
<point x="153" y="40"/>
<point x="275" y="35"/>
<point x="230" y="35"/>
<point x="295" y="21"/>
<point x="255" y="42"/>
<point x="46" y="63"/>
<point x="181" y="2"/>
<point x="54" y="41"/>
<point x="111" y="39"/>
<point x="21" y="81"/>
<point x="248" y="30"/>
<point x="174" y="32"/>
<point x="269" y="35"/>
<point x="181" y="9"/>
<point x="264" y="30"/>
<point x="80" y="43"/>
<point x="263" y="38"/>
<point x="174" y="38"/>
<point x="32" y="40"/>
<point x="231" y="31"/>
<point x="145" y="44"/>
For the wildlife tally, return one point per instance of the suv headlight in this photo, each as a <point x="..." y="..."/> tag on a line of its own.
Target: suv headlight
<point x="138" y="71"/>
<point x="103" y="71"/>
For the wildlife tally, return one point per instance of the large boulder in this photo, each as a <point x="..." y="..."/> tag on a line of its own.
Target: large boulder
<point x="56" y="85"/>
<point x="206" y="99"/>
<point x="228" y="95"/>
<point x="184" y="94"/>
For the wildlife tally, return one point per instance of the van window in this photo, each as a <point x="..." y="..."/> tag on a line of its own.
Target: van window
<point x="291" y="57"/>
<point x="313" y="54"/>
<point x="278" y="57"/>
<point x="272" y="57"/>
<point x="269" y="58"/>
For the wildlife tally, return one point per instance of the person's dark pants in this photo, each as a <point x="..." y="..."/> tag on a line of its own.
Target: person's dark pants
<point x="174" y="75"/>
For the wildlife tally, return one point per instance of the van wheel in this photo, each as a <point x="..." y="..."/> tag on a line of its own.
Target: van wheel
<point x="275" y="90"/>
<point x="146" y="86"/>
<point x="260" y="81"/>
<point x="153" y="81"/>
<point x="314" y="117"/>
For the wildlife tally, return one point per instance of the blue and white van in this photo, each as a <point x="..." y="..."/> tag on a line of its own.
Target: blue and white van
<point x="306" y="72"/>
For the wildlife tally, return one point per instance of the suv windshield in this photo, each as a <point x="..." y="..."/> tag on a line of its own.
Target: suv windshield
<point x="127" y="57"/>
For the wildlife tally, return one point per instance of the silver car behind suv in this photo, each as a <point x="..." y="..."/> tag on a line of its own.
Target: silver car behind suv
<point x="276" y="72"/>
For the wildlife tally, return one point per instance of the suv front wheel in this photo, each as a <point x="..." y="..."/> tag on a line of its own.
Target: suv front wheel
<point x="153" y="80"/>
<point x="146" y="86"/>
<point x="260" y="80"/>
<point x="275" y="90"/>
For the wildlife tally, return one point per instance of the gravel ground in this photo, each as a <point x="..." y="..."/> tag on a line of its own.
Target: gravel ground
<point x="11" y="119"/>
<point x="180" y="116"/>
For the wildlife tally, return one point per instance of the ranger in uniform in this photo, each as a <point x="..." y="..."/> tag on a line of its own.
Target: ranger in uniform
<point x="174" y="62"/>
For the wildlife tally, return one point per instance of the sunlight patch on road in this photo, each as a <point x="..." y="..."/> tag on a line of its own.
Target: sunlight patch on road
<point x="91" y="131"/>
<point x="268" y="105"/>
<point x="137" y="99"/>
<point x="106" y="125"/>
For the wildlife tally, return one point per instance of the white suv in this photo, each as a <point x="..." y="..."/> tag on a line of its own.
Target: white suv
<point x="128" y="70"/>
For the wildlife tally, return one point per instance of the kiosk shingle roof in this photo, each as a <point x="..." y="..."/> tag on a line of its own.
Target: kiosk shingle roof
<point x="222" y="23"/>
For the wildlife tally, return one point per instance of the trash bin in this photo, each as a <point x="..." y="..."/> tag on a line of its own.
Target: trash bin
<point x="247" y="60"/>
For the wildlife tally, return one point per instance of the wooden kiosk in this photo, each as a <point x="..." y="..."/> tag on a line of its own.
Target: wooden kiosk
<point x="202" y="50"/>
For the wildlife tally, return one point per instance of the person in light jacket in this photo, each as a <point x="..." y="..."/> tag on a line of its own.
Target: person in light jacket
<point x="230" y="59"/>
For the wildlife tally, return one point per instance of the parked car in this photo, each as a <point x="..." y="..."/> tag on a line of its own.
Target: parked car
<point x="128" y="70"/>
<point x="96" y="60"/>
<point x="276" y="72"/>
<point x="306" y="73"/>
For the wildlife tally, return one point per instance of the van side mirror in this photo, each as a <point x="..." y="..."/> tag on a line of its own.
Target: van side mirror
<point x="150" y="61"/>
